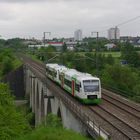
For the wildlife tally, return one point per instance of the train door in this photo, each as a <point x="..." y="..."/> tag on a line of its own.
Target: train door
<point x="73" y="87"/>
<point x="62" y="80"/>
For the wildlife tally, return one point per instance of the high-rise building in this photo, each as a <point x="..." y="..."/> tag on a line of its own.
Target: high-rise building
<point x="78" y="35"/>
<point x="113" y="33"/>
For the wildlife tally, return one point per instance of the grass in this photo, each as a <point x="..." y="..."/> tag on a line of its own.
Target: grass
<point x="53" y="130"/>
<point x="114" y="54"/>
<point x="34" y="57"/>
<point x="16" y="63"/>
<point x="51" y="133"/>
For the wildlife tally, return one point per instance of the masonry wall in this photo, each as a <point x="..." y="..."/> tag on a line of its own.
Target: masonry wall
<point x="15" y="79"/>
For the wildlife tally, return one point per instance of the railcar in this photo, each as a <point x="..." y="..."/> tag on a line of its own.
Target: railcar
<point x="83" y="86"/>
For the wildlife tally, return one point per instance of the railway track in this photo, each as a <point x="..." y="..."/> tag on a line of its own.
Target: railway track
<point x="118" y="129"/>
<point x="127" y="104"/>
<point x="119" y="117"/>
<point x="122" y="106"/>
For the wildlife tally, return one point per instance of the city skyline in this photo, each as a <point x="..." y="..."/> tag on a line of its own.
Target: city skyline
<point x="61" y="17"/>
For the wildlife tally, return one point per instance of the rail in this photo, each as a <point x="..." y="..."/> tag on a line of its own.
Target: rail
<point x="119" y="91"/>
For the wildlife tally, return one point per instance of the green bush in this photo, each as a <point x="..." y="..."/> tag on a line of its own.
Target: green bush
<point x="12" y="123"/>
<point x="53" y="121"/>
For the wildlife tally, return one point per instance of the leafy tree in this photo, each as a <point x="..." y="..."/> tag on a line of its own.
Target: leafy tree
<point x="5" y="97"/>
<point x="121" y="78"/>
<point x="64" y="47"/>
<point x="45" y="53"/>
<point x="77" y="47"/>
<point x="12" y="123"/>
<point x="15" y="43"/>
<point x="129" y="54"/>
<point x="7" y="65"/>
<point x="110" y="60"/>
<point x="2" y="42"/>
<point x="136" y="89"/>
<point x="53" y="121"/>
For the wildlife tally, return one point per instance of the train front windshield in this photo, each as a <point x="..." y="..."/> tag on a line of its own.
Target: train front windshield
<point x="91" y="85"/>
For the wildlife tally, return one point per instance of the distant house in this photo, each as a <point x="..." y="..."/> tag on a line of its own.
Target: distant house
<point x="110" y="46"/>
<point x="57" y="45"/>
<point x="123" y="62"/>
<point x="137" y="44"/>
<point x="36" y="46"/>
<point x="71" y="45"/>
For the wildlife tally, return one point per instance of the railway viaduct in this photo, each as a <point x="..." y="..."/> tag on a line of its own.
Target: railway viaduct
<point x="116" y="118"/>
<point x="46" y="98"/>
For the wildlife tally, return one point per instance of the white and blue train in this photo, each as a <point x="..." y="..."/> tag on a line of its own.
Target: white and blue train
<point x="82" y="86"/>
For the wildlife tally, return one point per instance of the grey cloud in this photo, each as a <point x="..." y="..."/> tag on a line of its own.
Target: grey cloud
<point x="62" y="17"/>
<point x="7" y="14"/>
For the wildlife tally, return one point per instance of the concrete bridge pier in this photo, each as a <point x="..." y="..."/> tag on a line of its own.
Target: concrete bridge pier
<point x="56" y="106"/>
<point x="32" y="93"/>
<point x="27" y="82"/>
<point x="70" y="121"/>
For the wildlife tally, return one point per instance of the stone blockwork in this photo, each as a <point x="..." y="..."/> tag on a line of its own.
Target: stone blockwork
<point x="15" y="79"/>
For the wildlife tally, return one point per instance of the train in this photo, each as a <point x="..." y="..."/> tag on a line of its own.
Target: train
<point x="82" y="86"/>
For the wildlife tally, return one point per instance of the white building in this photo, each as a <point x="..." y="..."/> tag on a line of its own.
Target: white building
<point x="113" y="33"/>
<point x="110" y="46"/>
<point x="78" y="35"/>
<point x="71" y="45"/>
<point x="57" y="45"/>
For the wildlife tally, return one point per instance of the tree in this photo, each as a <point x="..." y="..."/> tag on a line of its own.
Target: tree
<point x="45" y="53"/>
<point x="110" y="60"/>
<point x="64" y="47"/>
<point x="7" y="65"/>
<point x="120" y="77"/>
<point x="130" y="55"/>
<point x="12" y="123"/>
<point x="79" y="62"/>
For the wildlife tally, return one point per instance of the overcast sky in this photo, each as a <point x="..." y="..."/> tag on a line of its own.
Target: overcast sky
<point x="30" y="18"/>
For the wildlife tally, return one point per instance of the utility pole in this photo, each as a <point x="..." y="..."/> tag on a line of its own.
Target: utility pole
<point x="116" y="34"/>
<point x="96" y="53"/>
<point x="44" y="35"/>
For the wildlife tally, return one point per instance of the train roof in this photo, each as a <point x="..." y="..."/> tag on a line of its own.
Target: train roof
<point x="79" y="75"/>
<point x="52" y="65"/>
<point x="57" y="67"/>
<point x="71" y="72"/>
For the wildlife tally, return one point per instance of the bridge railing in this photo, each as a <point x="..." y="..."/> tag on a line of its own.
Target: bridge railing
<point x="92" y="127"/>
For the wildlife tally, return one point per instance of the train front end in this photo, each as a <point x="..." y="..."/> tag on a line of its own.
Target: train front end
<point x="91" y="90"/>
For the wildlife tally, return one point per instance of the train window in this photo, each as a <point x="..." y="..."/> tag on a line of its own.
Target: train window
<point x="55" y="73"/>
<point x="60" y="77"/>
<point x="49" y="72"/>
<point x="77" y="87"/>
<point x="91" y="85"/>
<point x="80" y="84"/>
<point x="52" y="73"/>
<point x="67" y="82"/>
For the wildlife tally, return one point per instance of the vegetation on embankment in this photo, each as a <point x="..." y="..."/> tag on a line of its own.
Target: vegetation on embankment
<point x="53" y="130"/>
<point x="8" y="62"/>
<point x="12" y="123"/>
